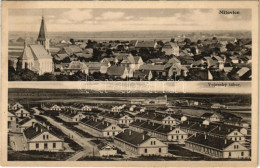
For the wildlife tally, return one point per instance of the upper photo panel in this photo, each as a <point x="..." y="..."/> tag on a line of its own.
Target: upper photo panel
<point x="144" y="44"/>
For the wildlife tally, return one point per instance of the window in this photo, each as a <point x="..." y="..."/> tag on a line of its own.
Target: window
<point x="151" y="142"/>
<point x="107" y="133"/>
<point x="182" y="137"/>
<point x="43" y="136"/>
<point x="154" y="142"/>
<point x="54" y="145"/>
<point x="242" y="153"/>
<point x="47" y="136"/>
<point x="45" y="146"/>
<point x="37" y="146"/>
<point x="229" y="154"/>
<point x="160" y="150"/>
<point x="145" y="150"/>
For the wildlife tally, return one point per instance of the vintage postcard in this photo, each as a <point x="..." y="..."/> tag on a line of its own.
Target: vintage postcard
<point x="129" y="84"/>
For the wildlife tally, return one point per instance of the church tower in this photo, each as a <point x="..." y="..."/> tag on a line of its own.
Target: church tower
<point x="42" y="37"/>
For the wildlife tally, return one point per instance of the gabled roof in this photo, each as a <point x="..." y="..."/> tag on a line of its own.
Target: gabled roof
<point x="96" y="123"/>
<point x="145" y="44"/>
<point x="39" y="51"/>
<point x="116" y="70"/>
<point x="132" y="137"/>
<point x="210" y="141"/>
<point x="152" y="67"/>
<point x="25" y="120"/>
<point x="37" y="129"/>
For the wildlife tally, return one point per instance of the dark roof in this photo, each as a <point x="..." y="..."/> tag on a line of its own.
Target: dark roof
<point x="132" y="137"/>
<point x="96" y="123"/>
<point x="115" y="70"/>
<point x="207" y="115"/>
<point x="36" y="130"/>
<point x="210" y="141"/>
<point x="42" y="34"/>
<point x="145" y="44"/>
<point x="25" y="120"/>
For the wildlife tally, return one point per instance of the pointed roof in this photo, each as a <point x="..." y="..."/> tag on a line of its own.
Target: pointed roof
<point x="43" y="31"/>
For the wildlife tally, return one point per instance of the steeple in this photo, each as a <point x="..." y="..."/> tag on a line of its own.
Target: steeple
<point x="42" y="37"/>
<point x="43" y="32"/>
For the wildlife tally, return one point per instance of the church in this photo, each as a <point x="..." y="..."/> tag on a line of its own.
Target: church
<point x="37" y="57"/>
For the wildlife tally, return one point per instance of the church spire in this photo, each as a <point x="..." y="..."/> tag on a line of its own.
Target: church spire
<point x="43" y="32"/>
<point x="42" y="37"/>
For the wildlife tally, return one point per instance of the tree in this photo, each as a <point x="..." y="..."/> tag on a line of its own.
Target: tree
<point x="72" y="41"/>
<point x="97" y="54"/>
<point x="172" y="40"/>
<point x="62" y="77"/>
<point x="199" y="42"/>
<point x="47" y="77"/>
<point x="230" y="47"/>
<point x="214" y="38"/>
<point x="13" y="77"/>
<point x="78" y="76"/>
<point x="28" y="75"/>
<point x="187" y="41"/>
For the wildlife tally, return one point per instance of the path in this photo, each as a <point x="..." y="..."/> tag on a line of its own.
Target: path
<point x="82" y="141"/>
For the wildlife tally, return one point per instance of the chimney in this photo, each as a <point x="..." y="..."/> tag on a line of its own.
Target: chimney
<point x="153" y="123"/>
<point x="219" y="128"/>
<point x="48" y="127"/>
<point x="33" y="124"/>
<point x="143" y="136"/>
<point x="188" y="122"/>
<point x="225" y="141"/>
<point x="171" y="128"/>
<point x="36" y="129"/>
<point x="195" y="134"/>
<point x="229" y="130"/>
<point x="205" y="136"/>
<point x="107" y="124"/>
<point x="163" y="126"/>
<point x="130" y="132"/>
<point x="40" y="130"/>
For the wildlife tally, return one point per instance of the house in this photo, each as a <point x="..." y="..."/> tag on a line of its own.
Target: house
<point x="12" y="123"/>
<point x="86" y="108"/>
<point x="212" y="117"/>
<point x="97" y="67"/>
<point x="116" y="109"/>
<point x="217" y="106"/>
<point x="171" y="49"/>
<point x="26" y="123"/>
<point x="143" y="75"/>
<point x="99" y="128"/>
<point x="118" y="71"/>
<point x="40" y="138"/>
<point x="116" y="118"/>
<point x="140" y="143"/>
<point x="230" y="133"/>
<point x="162" y="132"/>
<point x="157" y="118"/>
<point x="156" y="61"/>
<point x="106" y="149"/>
<point x="145" y="44"/>
<point x="216" y="147"/>
<point x="112" y="61"/>
<point x="132" y="107"/>
<point x="70" y="116"/>
<point x="70" y="50"/>
<point x="76" y="66"/>
<point x="16" y="106"/>
<point x="21" y="113"/>
<point x="55" y="108"/>
<point x="234" y="59"/>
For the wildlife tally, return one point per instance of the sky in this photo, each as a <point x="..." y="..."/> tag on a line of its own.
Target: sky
<point x="112" y="19"/>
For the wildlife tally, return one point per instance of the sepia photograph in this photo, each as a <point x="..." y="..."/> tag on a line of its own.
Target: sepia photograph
<point x="206" y="44"/>
<point x="129" y="84"/>
<point x="68" y="125"/>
